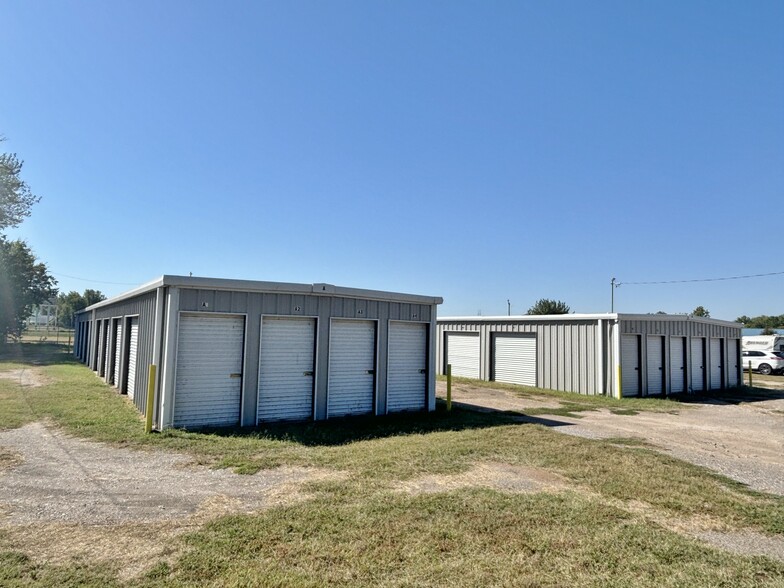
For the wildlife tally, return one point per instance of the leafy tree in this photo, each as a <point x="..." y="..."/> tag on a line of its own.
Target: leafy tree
<point x="762" y="322"/>
<point x="701" y="311"/>
<point x="547" y="306"/>
<point x="71" y="303"/>
<point x="768" y="331"/>
<point x="16" y="199"/>
<point x="23" y="284"/>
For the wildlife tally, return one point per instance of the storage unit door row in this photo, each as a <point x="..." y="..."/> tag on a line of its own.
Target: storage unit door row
<point x="210" y="354"/>
<point x="513" y="360"/>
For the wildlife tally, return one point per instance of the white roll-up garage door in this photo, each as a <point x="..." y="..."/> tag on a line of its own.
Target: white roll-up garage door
<point x="286" y="369"/>
<point x="208" y="384"/>
<point x="732" y="362"/>
<point x="117" y="352"/>
<point x="514" y="359"/>
<point x="677" y="365"/>
<point x="654" y="356"/>
<point x="462" y="351"/>
<point x="716" y="364"/>
<point x="630" y="365"/>
<point x="697" y="364"/>
<point x="407" y="366"/>
<point x="352" y="364"/>
<point x="133" y="350"/>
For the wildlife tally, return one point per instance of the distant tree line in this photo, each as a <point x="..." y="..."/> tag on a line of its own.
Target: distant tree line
<point x="762" y="322"/>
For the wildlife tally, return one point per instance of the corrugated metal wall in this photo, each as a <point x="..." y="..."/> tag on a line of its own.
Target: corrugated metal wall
<point x="256" y="304"/>
<point x="566" y="352"/>
<point x="579" y="356"/>
<point x="144" y="307"/>
<point x="691" y="328"/>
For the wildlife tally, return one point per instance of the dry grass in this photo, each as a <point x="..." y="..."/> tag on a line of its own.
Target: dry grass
<point x="459" y="499"/>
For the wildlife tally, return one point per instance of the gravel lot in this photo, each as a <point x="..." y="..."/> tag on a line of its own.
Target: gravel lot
<point x="743" y="441"/>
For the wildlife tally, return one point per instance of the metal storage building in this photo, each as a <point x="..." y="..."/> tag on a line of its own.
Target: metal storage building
<point x="611" y="354"/>
<point x="234" y="352"/>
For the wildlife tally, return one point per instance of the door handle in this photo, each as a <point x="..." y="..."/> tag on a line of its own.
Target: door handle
<point x="422" y="371"/>
<point x="371" y="372"/>
<point x="307" y="373"/>
<point x="235" y="375"/>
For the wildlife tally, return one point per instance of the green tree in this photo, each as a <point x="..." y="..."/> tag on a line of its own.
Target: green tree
<point x="23" y="284"/>
<point x="701" y="311"/>
<point x="768" y="331"/>
<point x="744" y="320"/>
<point x="16" y="199"/>
<point x="71" y="303"/>
<point x="547" y="306"/>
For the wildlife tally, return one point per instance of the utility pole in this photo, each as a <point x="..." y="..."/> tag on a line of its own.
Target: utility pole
<point x="612" y="295"/>
<point x="508" y="308"/>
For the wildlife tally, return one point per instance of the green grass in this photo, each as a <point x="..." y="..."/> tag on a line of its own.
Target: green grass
<point x="572" y="403"/>
<point x="360" y="532"/>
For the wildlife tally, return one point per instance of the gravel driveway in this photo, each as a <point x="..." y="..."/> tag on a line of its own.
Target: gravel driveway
<point x="743" y="441"/>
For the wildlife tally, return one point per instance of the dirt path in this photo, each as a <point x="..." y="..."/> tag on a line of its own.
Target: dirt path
<point x="63" y="498"/>
<point x="744" y="441"/>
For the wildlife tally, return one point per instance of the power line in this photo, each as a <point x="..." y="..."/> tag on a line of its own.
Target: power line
<point x="94" y="281"/>
<point x="699" y="280"/>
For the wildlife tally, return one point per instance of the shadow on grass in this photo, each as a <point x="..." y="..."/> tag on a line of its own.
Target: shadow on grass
<point x="36" y="354"/>
<point x="341" y="431"/>
<point x="740" y="395"/>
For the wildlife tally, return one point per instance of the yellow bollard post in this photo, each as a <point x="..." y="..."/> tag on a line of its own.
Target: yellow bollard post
<point x="449" y="387"/>
<point x="751" y="380"/>
<point x="619" y="386"/>
<point x="150" y="396"/>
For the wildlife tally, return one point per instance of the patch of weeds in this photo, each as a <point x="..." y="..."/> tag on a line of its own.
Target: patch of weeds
<point x="624" y="411"/>
<point x="19" y="570"/>
<point x="460" y="538"/>
<point x="159" y="571"/>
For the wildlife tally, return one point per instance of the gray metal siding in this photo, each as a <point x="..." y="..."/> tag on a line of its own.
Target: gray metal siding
<point x="144" y="307"/>
<point x="323" y="307"/>
<point x="254" y="305"/>
<point x="566" y="352"/>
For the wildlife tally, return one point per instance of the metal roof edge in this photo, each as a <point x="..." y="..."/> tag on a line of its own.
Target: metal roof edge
<point x="680" y="317"/>
<point x="596" y="316"/>
<point x="317" y="289"/>
<point x="138" y="291"/>
<point x="531" y="317"/>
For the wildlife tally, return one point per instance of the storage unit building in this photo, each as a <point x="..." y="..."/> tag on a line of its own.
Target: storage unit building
<point x="233" y="352"/>
<point x="611" y="354"/>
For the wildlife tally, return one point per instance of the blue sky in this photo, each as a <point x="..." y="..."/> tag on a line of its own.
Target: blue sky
<point x="479" y="151"/>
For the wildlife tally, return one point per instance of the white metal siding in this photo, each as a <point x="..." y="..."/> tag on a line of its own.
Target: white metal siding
<point x="514" y="360"/>
<point x="286" y="369"/>
<point x="716" y="365"/>
<point x="655" y="363"/>
<point x="133" y="349"/>
<point x="463" y="353"/>
<point x="697" y="365"/>
<point x="352" y="359"/>
<point x="677" y="365"/>
<point x="209" y="371"/>
<point x="407" y="366"/>
<point x="630" y="365"/>
<point x="117" y="352"/>
<point x="732" y="362"/>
